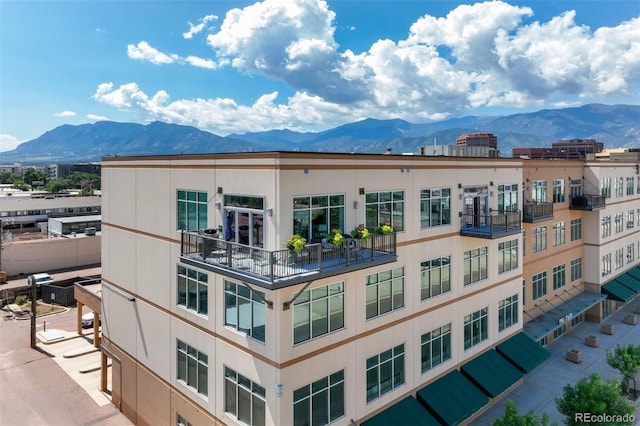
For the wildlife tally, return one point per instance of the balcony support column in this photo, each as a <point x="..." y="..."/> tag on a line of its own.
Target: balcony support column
<point x="287" y="305"/>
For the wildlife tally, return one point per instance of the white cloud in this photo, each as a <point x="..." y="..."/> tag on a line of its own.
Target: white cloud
<point x="482" y="55"/>
<point x="200" y="62"/>
<point x="8" y="142"/>
<point x="65" y="114"/>
<point x="202" y="23"/>
<point x="144" y="51"/>
<point x="93" y="117"/>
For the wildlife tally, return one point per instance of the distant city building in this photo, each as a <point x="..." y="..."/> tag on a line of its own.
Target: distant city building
<point x="577" y="149"/>
<point x="66" y="170"/>
<point x="478" y="139"/>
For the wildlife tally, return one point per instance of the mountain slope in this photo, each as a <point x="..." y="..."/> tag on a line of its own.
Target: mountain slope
<point x="615" y="125"/>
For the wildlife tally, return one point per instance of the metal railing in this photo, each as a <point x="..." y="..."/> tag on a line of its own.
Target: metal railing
<point x="491" y="225"/>
<point x="275" y="265"/>
<point x="534" y="211"/>
<point x="588" y="202"/>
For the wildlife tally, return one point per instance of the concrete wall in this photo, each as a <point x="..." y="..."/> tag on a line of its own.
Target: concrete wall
<point x="29" y="257"/>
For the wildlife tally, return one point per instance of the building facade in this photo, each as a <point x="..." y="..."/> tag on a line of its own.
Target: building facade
<point x="478" y="139"/>
<point x="204" y="304"/>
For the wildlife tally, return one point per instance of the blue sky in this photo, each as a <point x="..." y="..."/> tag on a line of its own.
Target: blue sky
<point x="307" y="65"/>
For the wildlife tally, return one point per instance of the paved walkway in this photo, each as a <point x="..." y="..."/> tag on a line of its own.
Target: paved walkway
<point x="544" y="384"/>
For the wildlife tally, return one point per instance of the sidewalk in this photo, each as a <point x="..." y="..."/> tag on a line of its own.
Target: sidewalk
<point x="544" y="384"/>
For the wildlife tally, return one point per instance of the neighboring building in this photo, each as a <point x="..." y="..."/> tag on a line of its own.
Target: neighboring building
<point x="73" y="226"/>
<point x="203" y="303"/>
<point x="478" y="139"/>
<point x="22" y="212"/>
<point x="576" y="149"/>
<point x="63" y="171"/>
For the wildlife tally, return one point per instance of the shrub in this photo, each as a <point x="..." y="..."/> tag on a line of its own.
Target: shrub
<point x="21" y="300"/>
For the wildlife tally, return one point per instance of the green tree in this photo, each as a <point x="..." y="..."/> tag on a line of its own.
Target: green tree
<point x="31" y="175"/>
<point x="58" y="185"/>
<point x="626" y="359"/>
<point x="591" y="397"/>
<point x="512" y="418"/>
<point x="21" y="185"/>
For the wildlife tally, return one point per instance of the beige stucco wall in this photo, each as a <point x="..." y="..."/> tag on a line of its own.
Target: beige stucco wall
<point x="28" y="257"/>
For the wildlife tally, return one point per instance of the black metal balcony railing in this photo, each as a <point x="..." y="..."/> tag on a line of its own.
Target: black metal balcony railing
<point x="535" y="211"/>
<point x="279" y="268"/>
<point x="491" y="225"/>
<point x="588" y="202"/>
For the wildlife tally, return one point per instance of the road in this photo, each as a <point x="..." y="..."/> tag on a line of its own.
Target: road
<point x="34" y="390"/>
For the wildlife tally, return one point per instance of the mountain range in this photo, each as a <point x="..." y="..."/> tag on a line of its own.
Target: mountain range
<point x="615" y="125"/>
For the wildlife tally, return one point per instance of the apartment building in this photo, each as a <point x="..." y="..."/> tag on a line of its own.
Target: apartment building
<point x="209" y="318"/>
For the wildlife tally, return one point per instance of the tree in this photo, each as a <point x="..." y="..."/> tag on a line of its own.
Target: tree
<point x="626" y="359"/>
<point x="512" y="418"/>
<point x="601" y="402"/>
<point x="58" y="185"/>
<point x="31" y="175"/>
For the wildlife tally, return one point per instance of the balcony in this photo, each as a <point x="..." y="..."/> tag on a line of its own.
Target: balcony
<point x="588" y="202"/>
<point x="493" y="225"/>
<point x="275" y="269"/>
<point x="536" y="212"/>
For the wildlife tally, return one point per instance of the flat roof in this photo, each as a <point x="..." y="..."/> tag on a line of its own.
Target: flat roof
<point x="74" y="219"/>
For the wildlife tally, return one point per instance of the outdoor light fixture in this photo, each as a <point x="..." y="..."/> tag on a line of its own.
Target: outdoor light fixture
<point x="361" y="191"/>
<point x="355" y="204"/>
<point x="306" y="171"/>
<point x="218" y="205"/>
<point x="269" y="212"/>
<point x="219" y="190"/>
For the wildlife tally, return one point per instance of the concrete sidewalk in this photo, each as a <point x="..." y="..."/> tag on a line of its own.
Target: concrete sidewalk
<point x="544" y="384"/>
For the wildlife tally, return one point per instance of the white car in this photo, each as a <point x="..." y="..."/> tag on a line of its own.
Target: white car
<point x="87" y="320"/>
<point x="42" y="278"/>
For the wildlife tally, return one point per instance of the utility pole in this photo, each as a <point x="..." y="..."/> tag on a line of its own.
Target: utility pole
<point x="34" y="295"/>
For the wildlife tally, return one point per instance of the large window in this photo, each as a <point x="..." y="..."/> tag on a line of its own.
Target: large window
<point x="181" y="421"/>
<point x="315" y="216"/>
<point x="539" y="239"/>
<point x="558" y="233"/>
<point x="192" y="210"/>
<point x="476" y="328"/>
<point x="435" y="277"/>
<point x="320" y="402"/>
<point x="507" y="312"/>
<point x="539" y="282"/>
<point x="559" y="276"/>
<point x="606" y="264"/>
<point x="435" y="207"/>
<point x="575" y="188"/>
<point x="318" y="311"/>
<point x="576" y="229"/>
<point x="606" y="226"/>
<point x="192" y="290"/>
<point x="619" y="187"/>
<point x="630" y="219"/>
<point x="619" y="258"/>
<point x="435" y="347"/>
<point x="558" y="190"/>
<point x="631" y="253"/>
<point x="385" y="207"/>
<point x="192" y="367"/>
<point x="385" y="292"/>
<point x="244" y="399"/>
<point x="244" y="310"/>
<point x="605" y="189"/>
<point x="475" y="265"/>
<point x="619" y="221"/>
<point x="507" y="256"/>
<point x="539" y="191"/>
<point x="385" y="372"/>
<point x="508" y="198"/>
<point x="576" y="269"/>
<point x="630" y="185"/>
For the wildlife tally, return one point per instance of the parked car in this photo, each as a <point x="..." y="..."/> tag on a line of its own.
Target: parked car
<point x="87" y="320"/>
<point x="42" y="278"/>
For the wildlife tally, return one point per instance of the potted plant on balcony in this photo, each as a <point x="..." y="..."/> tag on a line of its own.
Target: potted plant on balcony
<point x="360" y="232"/>
<point x="335" y="237"/>
<point x="296" y="243"/>
<point x="384" y="229"/>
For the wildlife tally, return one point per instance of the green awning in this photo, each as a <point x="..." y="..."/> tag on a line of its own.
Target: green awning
<point x="452" y="398"/>
<point x="618" y="291"/>
<point x="491" y="372"/>
<point x="523" y="352"/>
<point x="407" y="412"/>
<point x="635" y="272"/>
<point x="629" y="281"/>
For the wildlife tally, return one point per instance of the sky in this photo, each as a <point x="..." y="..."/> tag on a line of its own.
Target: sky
<point x="306" y="65"/>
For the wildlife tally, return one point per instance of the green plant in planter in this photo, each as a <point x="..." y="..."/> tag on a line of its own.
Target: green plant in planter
<point x="360" y="232"/>
<point x="385" y="229"/>
<point x="335" y="237"/>
<point x="296" y="243"/>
